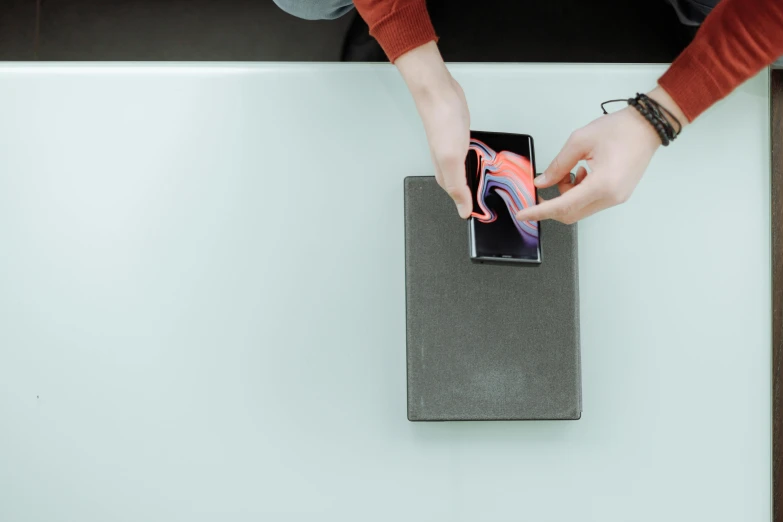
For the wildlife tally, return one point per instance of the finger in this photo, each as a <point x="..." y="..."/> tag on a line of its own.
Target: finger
<point x="567" y="183"/>
<point x="455" y="184"/>
<point x="455" y="193"/>
<point x="576" y="148"/>
<point x="592" y="208"/>
<point x="581" y="174"/>
<point x="567" y="208"/>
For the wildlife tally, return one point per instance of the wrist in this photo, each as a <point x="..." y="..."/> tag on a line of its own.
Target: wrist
<point x="661" y="96"/>
<point x="424" y="71"/>
<point x="647" y="134"/>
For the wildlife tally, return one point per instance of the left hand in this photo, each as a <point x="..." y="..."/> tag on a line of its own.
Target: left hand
<point x="444" y="112"/>
<point x="617" y="147"/>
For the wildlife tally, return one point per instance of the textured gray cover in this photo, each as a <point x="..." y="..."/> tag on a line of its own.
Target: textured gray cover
<point x="487" y="342"/>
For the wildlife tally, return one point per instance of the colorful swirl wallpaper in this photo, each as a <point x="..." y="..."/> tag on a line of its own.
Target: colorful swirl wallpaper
<point x="507" y="175"/>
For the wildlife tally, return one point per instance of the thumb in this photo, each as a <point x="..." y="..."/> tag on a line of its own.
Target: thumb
<point x="576" y="148"/>
<point x="462" y="197"/>
<point x="456" y="185"/>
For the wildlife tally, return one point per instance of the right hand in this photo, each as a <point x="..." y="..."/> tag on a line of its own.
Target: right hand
<point x="617" y="147"/>
<point x="443" y="109"/>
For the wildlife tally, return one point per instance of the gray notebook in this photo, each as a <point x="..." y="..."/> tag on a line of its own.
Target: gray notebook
<point x="487" y="342"/>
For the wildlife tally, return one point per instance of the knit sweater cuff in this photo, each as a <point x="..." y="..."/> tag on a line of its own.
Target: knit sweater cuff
<point x="403" y="30"/>
<point x="692" y="85"/>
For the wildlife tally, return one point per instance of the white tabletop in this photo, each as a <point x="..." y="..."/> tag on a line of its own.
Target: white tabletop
<point x="202" y="305"/>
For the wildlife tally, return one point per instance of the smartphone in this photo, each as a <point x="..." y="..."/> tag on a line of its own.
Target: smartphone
<point x="500" y="169"/>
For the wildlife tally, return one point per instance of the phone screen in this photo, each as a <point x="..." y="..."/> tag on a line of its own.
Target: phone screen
<point x="500" y="170"/>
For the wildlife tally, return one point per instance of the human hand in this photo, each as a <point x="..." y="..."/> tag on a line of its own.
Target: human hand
<point x="617" y="147"/>
<point x="443" y="109"/>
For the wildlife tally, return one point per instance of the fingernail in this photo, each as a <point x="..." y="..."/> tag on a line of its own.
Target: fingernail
<point x="540" y="180"/>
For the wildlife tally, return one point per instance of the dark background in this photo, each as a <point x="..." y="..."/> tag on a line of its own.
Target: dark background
<point x="645" y="31"/>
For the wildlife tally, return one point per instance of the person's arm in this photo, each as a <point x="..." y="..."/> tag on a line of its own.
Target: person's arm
<point x="443" y="109"/>
<point x="736" y="40"/>
<point x="404" y="30"/>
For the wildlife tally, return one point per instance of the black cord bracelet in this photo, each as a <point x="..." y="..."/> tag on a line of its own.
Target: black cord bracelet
<point x="653" y="120"/>
<point x="661" y="119"/>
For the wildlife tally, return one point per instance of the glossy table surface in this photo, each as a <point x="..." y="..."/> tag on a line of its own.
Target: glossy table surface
<point x="202" y="304"/>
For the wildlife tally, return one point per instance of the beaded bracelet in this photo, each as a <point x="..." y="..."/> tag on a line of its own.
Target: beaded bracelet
<point x="656" y="114"/>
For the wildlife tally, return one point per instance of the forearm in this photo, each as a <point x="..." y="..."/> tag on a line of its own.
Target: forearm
<point x="736" y="41"/>
<point x="424" y="71"/>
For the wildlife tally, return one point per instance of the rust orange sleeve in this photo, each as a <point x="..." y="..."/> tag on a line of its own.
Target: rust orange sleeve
<point x="398" y="25"/>
<point x="737" y="40"/>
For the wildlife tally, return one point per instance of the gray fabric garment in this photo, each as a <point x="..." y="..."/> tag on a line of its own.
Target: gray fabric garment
<point x="693" y="12"/>
<point x="315" y="9"/>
